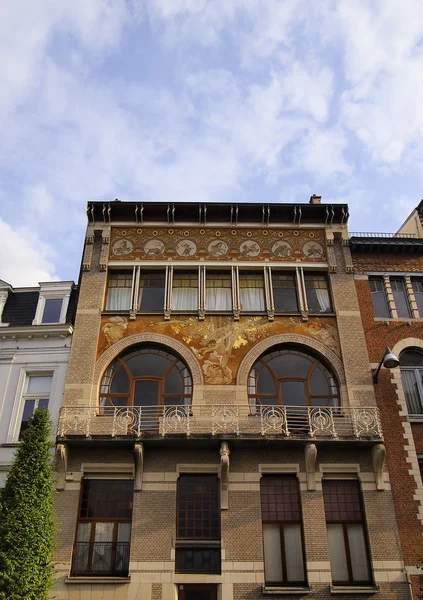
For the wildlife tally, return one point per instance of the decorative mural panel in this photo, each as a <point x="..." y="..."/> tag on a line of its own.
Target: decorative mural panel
<point x="219" y="342"/>
<point x="296" y="245"/>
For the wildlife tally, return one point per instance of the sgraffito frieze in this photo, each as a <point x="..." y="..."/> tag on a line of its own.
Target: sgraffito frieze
<point x="218" y="343"/>
<point x="296" y="245"/>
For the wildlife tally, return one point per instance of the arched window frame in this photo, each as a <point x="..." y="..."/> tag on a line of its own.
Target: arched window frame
<point x="412" y="377"/>
<point x="254" y="396"/>
<point x="107" y="398"/>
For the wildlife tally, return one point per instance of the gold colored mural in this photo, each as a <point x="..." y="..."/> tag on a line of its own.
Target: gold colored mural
<point x="219" y="342"/>
<point x="163" y="243"/>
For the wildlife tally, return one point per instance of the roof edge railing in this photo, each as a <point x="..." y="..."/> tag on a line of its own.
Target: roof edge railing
<point x="372" y="234"/>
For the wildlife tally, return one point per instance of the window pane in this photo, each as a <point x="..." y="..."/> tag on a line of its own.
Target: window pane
<point x="411" y="358"/>
<point x="284" y="292"/>
<point x="218" y="291"/>
<point x="317" y="293"/>
<point x="104" y="532"/>
<point x="152" y="291"/>
<point x="146" y="392"/>
<point x="29" y="407"/>
<point x="198" y="507"/>
<point x="173" y="383"/>
<point x="380" y="303"/>
<point x="148" y="364"/>
<point x="358" y="553"/>
<point x="293" y="552"/>
<point x="52" y="310"/>
<point x="400" y="297"/>
<point x="272" y="554"/>
<point x="118" y="299"/>
<point x="418" y="294"/>
<point x="265" y="383"/>
<point x="337" y="553"/>
<point x="319" y="383"/>
<point x="120" y="382"/>
<point x="251" y="292"/>
<point x="39" y="384"/>
<point x="293" y="393"/>
<point x="290" y="365"/>
<point x="43" y="404"/>
<point x="102" y="498"/>
<point x="411" y="391"/>
<point x="185" y="291"/>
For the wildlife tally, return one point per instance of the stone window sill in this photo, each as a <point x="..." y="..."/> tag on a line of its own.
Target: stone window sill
<point x="93" y="580"/>
<point x="354" y="589"/>
<point x="285" y="590"/>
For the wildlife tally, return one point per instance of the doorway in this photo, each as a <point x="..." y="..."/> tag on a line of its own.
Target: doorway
<point x="197" y="592"/>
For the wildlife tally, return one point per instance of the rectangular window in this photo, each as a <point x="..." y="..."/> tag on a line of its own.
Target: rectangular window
<point x="317" y="293"/>
<point x="400" y="297"/>
<point x="152" y="288"/>
<point x="420" y="459"/>
<point x="198" y="525"/>
<point x="348" y="549"/>
<point x="418" y="294"/>
<point x="185" y="291"/>
<point x="379" y="299"/>
<point x="36" y="396"/>
<point x="282" y="530"/>
<point x="218" y="291"/>
<point x="251" y="291"/>
<point x="52" y="310"/>
<point x="284" y="292"/>
<point x="104" y="528"/>
<point x="119" y="291"/>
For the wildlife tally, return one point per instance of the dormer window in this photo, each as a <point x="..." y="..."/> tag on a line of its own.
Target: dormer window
<point x="53" y="303"/>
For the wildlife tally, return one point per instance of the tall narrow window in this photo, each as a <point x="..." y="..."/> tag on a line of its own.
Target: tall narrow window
<point x="348" y="550"/>
<point x="317" y="293"/>
<point x="198" y="525"/>
<point x="152" y="288"/>
<point x="418" y="294"/>
<point x="251" y="291"/>
<point x="411" y="363"/>
<point x="185" y="291"/>
<point x="380" y="302"/>
<point x="119" y="290"/>
<point x="218" y="291"/>
<point x="36" y="396"/>
<point x="282" y="531"/>
<point x="52" y="310"/>
<point x="284" y="292"/>
<point x="104" y="528"/>
<point x="400" y="297"/>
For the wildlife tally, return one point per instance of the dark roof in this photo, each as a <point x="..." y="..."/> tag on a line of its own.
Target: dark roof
<point x="386" y="244"/>
<point x="216" y="212"/>
<point x="20" y="307"/>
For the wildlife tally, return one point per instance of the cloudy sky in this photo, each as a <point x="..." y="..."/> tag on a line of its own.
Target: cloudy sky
<point x="202" y="100"/>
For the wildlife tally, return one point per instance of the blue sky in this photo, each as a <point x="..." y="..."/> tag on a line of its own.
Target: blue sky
<point x="202" y="100"/>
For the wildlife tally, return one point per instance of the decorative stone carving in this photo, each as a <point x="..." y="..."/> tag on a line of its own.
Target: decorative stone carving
<point x="154" y="248"/>
<point x="139" y="466"/>
<point x="310" y="453"/>
<point x="378" y="458"/>
<point x="62" y="465"/>
<point x="313" y="250"/>
<point x="186" y="248"/>
<point x="224" y="475"/>
<point x="123" y="247"/>
<point x="88" y="253"/>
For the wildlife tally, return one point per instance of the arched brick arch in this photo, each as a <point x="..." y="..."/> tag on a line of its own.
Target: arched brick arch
<point x="288" y="338"/>
<point x="141" y="338"/>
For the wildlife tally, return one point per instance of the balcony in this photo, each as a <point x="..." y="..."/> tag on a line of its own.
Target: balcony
<point x="100" y="559"/>
<point x="200" y="420"/>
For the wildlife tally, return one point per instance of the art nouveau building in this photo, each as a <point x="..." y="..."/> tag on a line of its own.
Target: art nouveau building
<point x="219" y="436"/>
<point x="35" y="338"/>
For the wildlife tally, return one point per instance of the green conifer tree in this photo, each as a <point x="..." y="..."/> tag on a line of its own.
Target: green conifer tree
<point x="26" y="517"/>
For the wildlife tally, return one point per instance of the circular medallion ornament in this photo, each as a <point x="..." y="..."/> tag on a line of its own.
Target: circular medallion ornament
<point x="249" y="249"/>
<point x="122" y="248"/>
<point x="282" y="249"/>
<point x="218" y="248"/>
<point x="154" y="248"/>
<point x="313" y="250"/>
<point x="186" y="248"/>
<point x="139" y="231"/>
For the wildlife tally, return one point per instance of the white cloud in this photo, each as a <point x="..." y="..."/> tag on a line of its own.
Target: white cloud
<point x="25" y="260"/>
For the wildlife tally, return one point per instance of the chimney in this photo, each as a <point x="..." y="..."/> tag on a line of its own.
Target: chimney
<point x="314" y="199"/>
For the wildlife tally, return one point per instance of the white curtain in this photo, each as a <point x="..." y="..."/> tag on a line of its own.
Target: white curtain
<point x="218" y="299"/>
<point x="252" y="299"/>
<point x="294" y="552"/>
<point x="185" y="298"/>
<point x="358" y="553"/>
<point x="411" y="392"/>
<point x="272" y="554"/>
<point x="323" y="300"/>
<point x="338" y="557"/>
<point x="118" y="298"/>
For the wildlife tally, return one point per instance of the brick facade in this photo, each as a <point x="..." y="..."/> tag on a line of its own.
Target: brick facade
<point x="220" y="372"/>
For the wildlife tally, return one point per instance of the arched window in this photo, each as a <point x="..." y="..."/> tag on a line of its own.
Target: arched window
<point x="146" y="376"/>
<point x="291" y="377"/>
<point x="411" y="363"/>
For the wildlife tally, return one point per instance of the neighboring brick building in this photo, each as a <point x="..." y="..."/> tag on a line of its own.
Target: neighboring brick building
<point x="219" y="436"/>
<point x="36" y="326"/>
<point x="389" y="281"/>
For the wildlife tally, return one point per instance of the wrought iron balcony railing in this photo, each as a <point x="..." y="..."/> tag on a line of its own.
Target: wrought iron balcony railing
<point x="103" y="559"/>
<point x="221" y="419"/>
